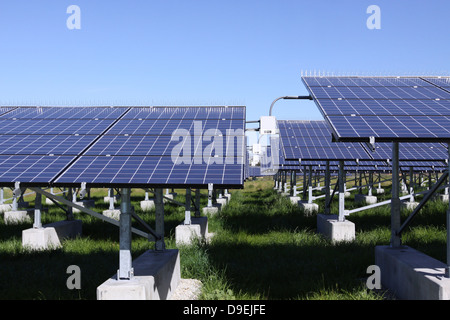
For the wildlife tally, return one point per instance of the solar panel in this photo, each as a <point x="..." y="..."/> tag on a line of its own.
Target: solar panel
<point x="385" y="108"/>
<point x="174" y="146"/>
<point x="131" y="146"/>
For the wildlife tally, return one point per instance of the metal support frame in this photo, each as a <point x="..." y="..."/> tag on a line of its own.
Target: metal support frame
<point x="89" y="211"/>
<point x="159" y="220"/>
<point x="210" y="194"/>
<point x="187" y="207"/>
<point x="327" y="188"/>
<point x="37" y="224"/>
<point x="395" y="201"/>
<point x="310" y="196"/>
<point x="341" y="217"/>
<point x="197" y="202"/>
<point x="125" y="271"/>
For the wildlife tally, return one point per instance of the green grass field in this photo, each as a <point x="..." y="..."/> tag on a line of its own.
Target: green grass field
<point x="264" y="248"/>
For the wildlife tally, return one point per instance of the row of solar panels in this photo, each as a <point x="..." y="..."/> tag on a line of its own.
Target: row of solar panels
<point x="114" y="146"/>
<point x="368" y="109"/>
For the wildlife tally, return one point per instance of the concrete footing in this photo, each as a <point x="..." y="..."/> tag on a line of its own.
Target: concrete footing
<point x="5" y="207"/>
<point x="222" y="202"/>
<point x="444" y="197"/>
<point x="156" y="277"/>
<point x="412" y="275"/>
<point x="360" y="198"/>
<point x="410" y="205"/>
<point x="186" y="233"/>
<point x="336" y="231"/>
<point x="147" y="205"/>
<point x="210" y="210"/>
<point x="84" y="203"/>
<point x="18" y="216"/>
<point x="113" y="214"/>
<point x="51" y="235"/>
<point x="379" y="191"/>
<point x="294" y="200"/>
<point x="107" y="199"/>
<point x="308" y="208"/>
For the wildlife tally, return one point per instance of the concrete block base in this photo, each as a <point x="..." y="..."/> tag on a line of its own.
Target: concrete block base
<point x="228" y="196"/>
<point x="379" y="191"/>
<point x="336" y="231"/>
<point x="285" y="194"/>
<point x="84" y="203"/>
<point x="410" y="205"/>
<point x="156" y="277"/>
<point x="412" y="275"/>
<point x="360" y="198"/>
<point x="5" y="207"/>
<point x="294" y="200"/>
<point x="210" y="210"/>
<point x="19" y="216"/>
<point x="147" y="205"/>
<point x="222" y="202"/>
<point x="186" y="233"/>
<point x="113" y="214"/>
<point x="169" y="195"/>
<point x="308" y="208"/>
<point x="444" y="197"/>
<point x="107" y="199"/>
<point x="51" y="235"/>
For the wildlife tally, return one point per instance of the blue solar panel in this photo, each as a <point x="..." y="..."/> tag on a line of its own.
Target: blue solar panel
<point x="311" y="140"/>
<point x="74" y="113"/>
<point x="388" y="109"/>
<point x="135" y="170"/>
<point x="44" y="144"/>
<point x="31" y="168"/>
<point x="107" y="148"/>
<point x="52" y="127"/>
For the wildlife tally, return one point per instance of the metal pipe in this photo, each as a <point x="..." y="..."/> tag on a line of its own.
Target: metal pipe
<point x="288" y="98"/>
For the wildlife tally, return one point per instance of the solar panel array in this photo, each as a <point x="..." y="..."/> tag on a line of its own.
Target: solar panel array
<point x="386" y="108"/>
<point x="114" y="146"/>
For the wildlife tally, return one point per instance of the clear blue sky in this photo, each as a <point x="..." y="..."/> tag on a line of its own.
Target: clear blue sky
<point x="209" y="52"/>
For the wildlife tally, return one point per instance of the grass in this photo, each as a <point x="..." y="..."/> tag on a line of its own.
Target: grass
<point x="264" y="248"/>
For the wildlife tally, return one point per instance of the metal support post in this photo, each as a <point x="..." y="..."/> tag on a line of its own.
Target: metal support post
<point x="294" y="183"/>
<point x="341" y="217"/>
<point x="327" y="188"/>
<point x="310" y="185"/>
<point x="197" y="202"/>
<point x="210" y="192"/>
<point x="69" y="208"/>
<point x="370" y="184"/>
<point x="395" y="201"/>
<point x="411" y="184"/>
<point x="37" y="211"/>
<point x="111" y="198"/>
<point x="304" y="182"/>
<point x="125" y="271"/>
<point x="159" y="220"/>
<point x="187" y="208"/>
<point x="447" y="269"/>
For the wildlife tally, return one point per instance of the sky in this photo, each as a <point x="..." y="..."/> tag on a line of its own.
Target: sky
<point x="210" y="52"/>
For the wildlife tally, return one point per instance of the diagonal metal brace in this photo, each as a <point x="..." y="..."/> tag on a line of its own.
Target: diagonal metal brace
<point x="88" y="211"/>
<point x="425" y="199"/>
